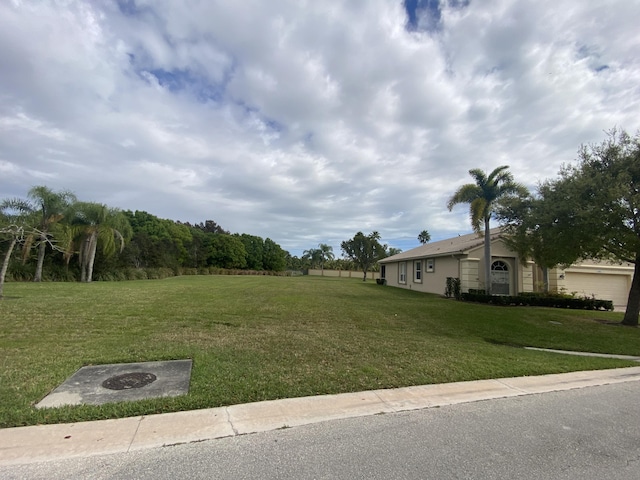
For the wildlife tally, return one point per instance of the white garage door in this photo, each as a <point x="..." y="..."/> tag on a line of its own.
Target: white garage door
<point x="603" y="286"/>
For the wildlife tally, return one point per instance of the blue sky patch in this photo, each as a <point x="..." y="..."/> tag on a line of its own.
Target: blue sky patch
<point x="419" y="10"/>
<point x="178" y="80"/>
<point x="426" y="15"/>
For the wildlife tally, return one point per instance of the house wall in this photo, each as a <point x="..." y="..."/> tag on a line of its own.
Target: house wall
<point x="520" y="278"/>
<point x="469" y="268"/>
<point x="604" y="280"/>
<point x="391" y="274"/>
<point x="527" y="277"/>
<point x="432" y="282"/>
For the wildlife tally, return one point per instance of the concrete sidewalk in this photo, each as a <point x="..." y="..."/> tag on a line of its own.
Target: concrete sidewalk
<point x="55" y="442"/>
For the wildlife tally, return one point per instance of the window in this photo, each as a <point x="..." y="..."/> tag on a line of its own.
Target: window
<point x="500" y="278"/>
<point x="402" y="272"/>
<point x="431" y="265"/>
<point x="383" y="271"/>
<point x="417" y="271"/>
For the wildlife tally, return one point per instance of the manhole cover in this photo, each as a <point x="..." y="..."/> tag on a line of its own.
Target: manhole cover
<point x="129" y="380"/>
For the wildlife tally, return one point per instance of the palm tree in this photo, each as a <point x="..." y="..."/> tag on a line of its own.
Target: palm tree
<point x="482" y="197"/>
<point x="16" y="218"/>
<point x="393" y="251"/>
<point x="312" y="256"/>
<point x="50" y="207"/>
<point x="95" y="223"/>
<point x="325" y="254"/>
<point x="424" y="237"/>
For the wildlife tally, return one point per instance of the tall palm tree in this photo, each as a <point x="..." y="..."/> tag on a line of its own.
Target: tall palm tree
<point x="482" y="197"/>
<point x="95" y="223"/>
<point x="50" y="207"/>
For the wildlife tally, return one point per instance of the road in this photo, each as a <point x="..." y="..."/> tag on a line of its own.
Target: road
<point x="589" y="433"/>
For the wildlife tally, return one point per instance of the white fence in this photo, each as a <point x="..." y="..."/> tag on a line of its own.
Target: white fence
<point x="343" y="273"/>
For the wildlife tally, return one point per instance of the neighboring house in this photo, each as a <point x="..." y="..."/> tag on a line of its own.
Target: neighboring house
<point x="427" y="267"/>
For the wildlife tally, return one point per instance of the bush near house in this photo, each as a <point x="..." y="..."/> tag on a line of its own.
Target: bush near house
<point x="539" y="300"/>
<point x="453" y="288"/>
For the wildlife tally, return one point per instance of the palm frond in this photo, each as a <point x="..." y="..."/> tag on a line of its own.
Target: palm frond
<point x="465" y="194"/>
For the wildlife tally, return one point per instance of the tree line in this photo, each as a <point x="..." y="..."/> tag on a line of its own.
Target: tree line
<point x="51" y="235"/>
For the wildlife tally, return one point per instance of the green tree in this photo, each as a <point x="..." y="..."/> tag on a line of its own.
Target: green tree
<point x="312" y="256"/>
<point x="199" y="248"/>
<point x="364" y="250"/>
<point x="181" y="238"/>
<point x="593" y="209"/>
<point x="393" y="251"/>
<point x="210" y="226"/>
<point x="482" y="197"/>
<point x="51" y="207"/>
<point x="95" y="223"/>
<point x="530" y="226"/>
<point x="227" y="251"/>
<point x="326" y="254"/>
<point x="274" y="257"/>
<point x="319" y="256"/>
<point x="424" y="237"/>
<point x="255" y="250"/>
<point x="16" y="224"/>
<point x="293" y="262"/>
<point x="164" y="243"/>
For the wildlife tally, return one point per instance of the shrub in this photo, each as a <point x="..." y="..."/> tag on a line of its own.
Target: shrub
<point x="452" y="288"/>
<point x="540" y="300"/>
<point x="477" y="291"/>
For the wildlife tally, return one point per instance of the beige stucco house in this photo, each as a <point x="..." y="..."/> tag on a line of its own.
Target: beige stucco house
<point x="427" y="267"/>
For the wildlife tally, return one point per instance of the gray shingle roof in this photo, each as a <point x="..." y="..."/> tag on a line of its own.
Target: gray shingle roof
<point x="450" y="246"/>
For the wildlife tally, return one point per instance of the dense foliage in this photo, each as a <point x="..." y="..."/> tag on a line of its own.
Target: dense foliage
<point x="591" y="211"/>
<point x="61" y="238"/>
<point x="364" y="251"/>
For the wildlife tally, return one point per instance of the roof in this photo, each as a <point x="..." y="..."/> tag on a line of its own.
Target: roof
<point x="451" y="246"/>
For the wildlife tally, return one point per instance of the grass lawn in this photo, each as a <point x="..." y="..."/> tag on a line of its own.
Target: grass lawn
<point x="259" y="338"/>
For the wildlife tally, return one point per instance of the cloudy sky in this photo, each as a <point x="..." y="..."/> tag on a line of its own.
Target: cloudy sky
<point x="307" y="121"/>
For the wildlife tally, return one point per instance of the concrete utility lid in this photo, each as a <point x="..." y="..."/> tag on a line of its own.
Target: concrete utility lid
<point x="121" y="382"/>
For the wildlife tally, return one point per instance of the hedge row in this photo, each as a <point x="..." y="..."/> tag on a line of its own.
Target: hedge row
<point x="61" y="275"/>
<point x="556" y="301"/>
<point x="160" y="273"/>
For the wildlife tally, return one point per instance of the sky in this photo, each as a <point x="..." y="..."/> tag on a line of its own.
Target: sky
<point x="307" y="121"/>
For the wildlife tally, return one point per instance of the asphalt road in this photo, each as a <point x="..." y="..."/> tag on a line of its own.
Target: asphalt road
<point x="590" y="433"/>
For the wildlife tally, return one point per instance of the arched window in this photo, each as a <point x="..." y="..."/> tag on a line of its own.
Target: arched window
<point x="500" y="278"/>
<point x="500" y="266"/>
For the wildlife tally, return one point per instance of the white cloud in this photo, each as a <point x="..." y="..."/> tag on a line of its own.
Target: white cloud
<point x="306" y="121"/>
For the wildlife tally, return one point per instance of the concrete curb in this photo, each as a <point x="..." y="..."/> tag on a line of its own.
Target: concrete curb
<point x="631" y="358"/>
<point x="54" y="442"/>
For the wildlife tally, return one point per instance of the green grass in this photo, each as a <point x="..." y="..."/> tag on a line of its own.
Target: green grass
<point x="259" y="338"/>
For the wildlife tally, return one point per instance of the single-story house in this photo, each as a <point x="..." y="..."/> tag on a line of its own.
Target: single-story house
<point x="427" y="267"/>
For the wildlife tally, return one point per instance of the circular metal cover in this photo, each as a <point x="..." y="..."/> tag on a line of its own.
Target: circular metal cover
<point x="129" y="380"/>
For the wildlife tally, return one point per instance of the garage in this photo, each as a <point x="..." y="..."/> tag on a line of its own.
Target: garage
<point x="603" y="286"/>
